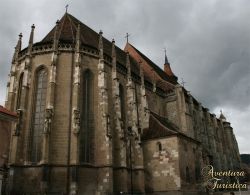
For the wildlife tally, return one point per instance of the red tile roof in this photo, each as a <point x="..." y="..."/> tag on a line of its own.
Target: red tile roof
<point x="154" y="72"/>
<point x="159" y="127"/>
<point x="6" y="111"/>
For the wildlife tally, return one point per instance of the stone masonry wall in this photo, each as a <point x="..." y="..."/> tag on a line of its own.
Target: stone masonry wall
<point x="162" y="171"/>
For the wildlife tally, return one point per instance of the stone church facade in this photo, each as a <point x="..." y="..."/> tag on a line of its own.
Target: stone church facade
<point x="95" y="119"/>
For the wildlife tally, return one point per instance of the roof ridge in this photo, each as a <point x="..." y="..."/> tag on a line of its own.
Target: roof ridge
<point x="164" y="118"/>
<point x="71" y="25"/>
<point x="159" y="71"/>
<point x="172" y="131"/>
<point x="60" y="30"/>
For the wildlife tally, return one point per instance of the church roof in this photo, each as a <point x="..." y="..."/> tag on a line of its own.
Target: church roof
<point x="160" y="127"/>
<point x="149" y="66"/>
<point x="6" y="114"/>
<point x="154" y="72"/>
<point x="67" y="34"/>
<point x="67" y="28"/>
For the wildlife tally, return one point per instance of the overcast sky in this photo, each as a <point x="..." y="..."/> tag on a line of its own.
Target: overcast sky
<point x="207" y="42"/>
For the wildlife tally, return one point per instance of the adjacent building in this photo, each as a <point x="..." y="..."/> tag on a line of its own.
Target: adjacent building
<point x="7" y="122"/>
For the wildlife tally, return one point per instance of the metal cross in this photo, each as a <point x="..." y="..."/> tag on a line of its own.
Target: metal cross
<point x="67" y="7"/>
<point x="127" y="35"/>
<point x="182" y="82"/>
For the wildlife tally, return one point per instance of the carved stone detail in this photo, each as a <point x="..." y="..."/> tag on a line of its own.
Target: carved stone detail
<point x="48" y="120"/>
<point x="76" y="122"/>
<point x="19" y="122"/>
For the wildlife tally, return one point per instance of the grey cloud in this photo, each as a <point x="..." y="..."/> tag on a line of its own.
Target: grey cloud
<point x="208" y="42"/>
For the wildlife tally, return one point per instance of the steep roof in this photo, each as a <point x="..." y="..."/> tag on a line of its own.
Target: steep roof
<point x="154" y="72"/>
<point x="67" y="34"/>
<point x="137" y="55"/>
<point x="6" y="114"/>
<point x="67" y="28"/>
<point x="160" y="127"/>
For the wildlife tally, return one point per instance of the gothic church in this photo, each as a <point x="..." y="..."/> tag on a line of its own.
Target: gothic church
<point x="95" y="120"/>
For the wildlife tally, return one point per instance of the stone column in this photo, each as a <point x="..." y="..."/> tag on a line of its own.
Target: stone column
<point x="181" y="107"/>
<point x="49" y="112"/>
<point x="10" y="97"/>
<point x="104" y="134"/>
<point x="75" y="126"/>
<point x="27" y="81"/>
<point x="144" y="110"/>
<point x="119" y="137"/>
<point x="136" y="159"/>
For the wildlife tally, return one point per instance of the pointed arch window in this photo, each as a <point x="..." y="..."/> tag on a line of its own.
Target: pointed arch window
<point x="122" y="103"/>
<point x="87" y="118"/>
<point x="19" y="92"/>
<point x="38" y="114"/>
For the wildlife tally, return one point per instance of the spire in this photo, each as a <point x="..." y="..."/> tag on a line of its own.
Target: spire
<point x="17" y="48"/>
<point x="31" y="39"/>
<point x="167" y="68"/>
<point x="100" y="46"/>
<point x="19" y="43"/>
<point x="78" y="39"/>
<point x="113" y="55"/>
<point x="166" y="58"/>
<point x="55" y="39"/>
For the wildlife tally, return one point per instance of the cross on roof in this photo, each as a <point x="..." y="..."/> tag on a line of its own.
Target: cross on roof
<point x="66" y="7"/>
<point x="127" y="35"/>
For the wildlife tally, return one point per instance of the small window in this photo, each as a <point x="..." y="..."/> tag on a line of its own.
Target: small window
<point x="159" y="146"/>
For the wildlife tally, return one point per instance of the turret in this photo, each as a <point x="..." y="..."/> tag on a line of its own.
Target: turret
<point x="100" y="46"/>
<point x="31" y="39"/>
<point x="113" y="55"/>
<point x="17" y="48"/>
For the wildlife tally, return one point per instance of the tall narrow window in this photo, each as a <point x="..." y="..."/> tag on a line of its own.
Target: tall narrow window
<point x="86" y="134"/>
<point x="39" y="115"/>
<point x="122" y="103"/>
<point x="159" y="146"/>
<point x="19" y="93"/>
